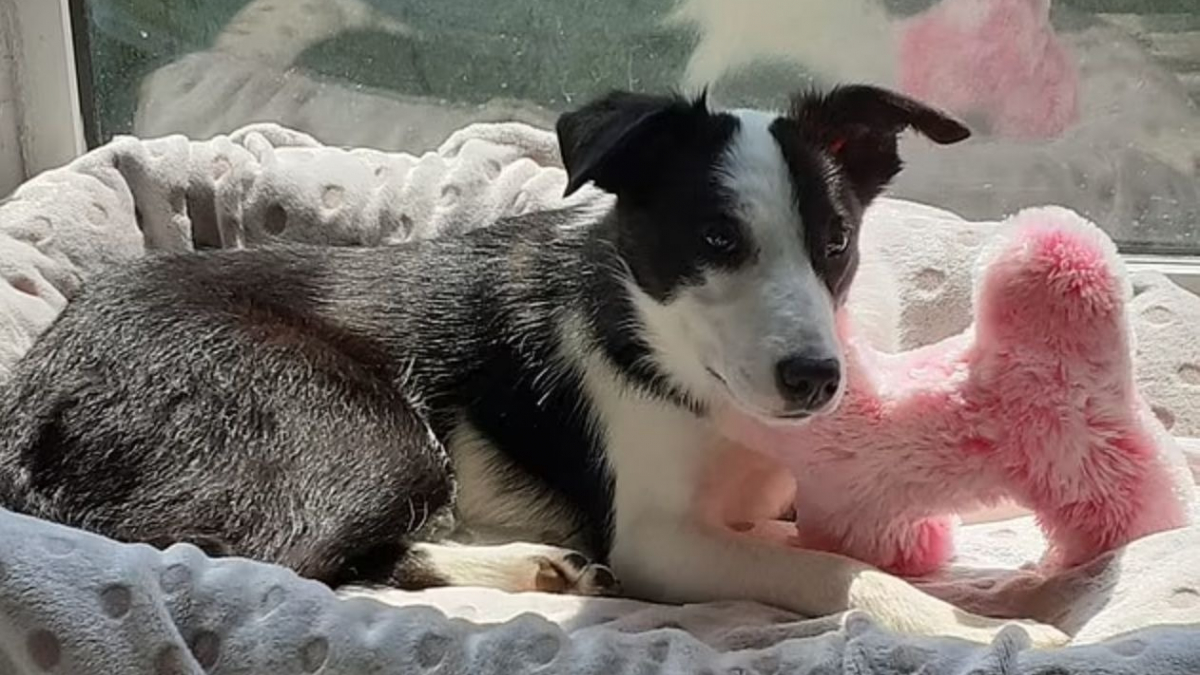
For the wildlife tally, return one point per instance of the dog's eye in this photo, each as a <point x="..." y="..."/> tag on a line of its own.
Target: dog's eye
<point x="722" y="237"/>
<point x="839" y="241"/>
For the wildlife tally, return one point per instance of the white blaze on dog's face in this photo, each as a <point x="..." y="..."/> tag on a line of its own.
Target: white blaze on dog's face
<point x="739" y="230"/>
<point x="768" y="324"/>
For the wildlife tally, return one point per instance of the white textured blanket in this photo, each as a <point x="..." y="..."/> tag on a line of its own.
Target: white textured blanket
<point x="76" y="603"/>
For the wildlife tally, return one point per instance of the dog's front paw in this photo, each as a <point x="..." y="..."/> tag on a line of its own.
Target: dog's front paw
<point x="904" y="609"/>
<point x="572" y="573"/>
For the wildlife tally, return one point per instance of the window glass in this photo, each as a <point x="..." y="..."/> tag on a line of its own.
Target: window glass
<point x="1092" y="104"/>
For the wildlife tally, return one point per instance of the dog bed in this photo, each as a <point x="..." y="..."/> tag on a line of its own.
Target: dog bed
<point x="72" y="602"/>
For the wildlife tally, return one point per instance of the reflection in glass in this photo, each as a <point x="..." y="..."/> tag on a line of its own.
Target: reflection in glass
<point x="1087" y="103"/>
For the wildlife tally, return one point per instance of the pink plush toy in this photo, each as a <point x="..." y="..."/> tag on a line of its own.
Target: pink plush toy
<point x="995" y="60"/>
<point x="1035" y="403"/>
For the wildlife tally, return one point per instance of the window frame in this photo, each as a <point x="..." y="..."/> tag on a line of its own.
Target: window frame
<point x="41" y="68"/>
<point x="1182" y="269"/>
<point x="54" y="127"/>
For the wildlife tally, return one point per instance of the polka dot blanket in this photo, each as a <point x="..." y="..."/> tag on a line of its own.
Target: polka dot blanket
<point x="73" y="603"/>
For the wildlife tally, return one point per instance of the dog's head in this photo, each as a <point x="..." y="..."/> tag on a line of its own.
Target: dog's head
<point x="740" y="229"/>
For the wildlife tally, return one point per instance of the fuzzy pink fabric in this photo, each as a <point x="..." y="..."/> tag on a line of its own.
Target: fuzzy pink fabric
<point x="996" y="60"/>
<point x="1036" y="403"/>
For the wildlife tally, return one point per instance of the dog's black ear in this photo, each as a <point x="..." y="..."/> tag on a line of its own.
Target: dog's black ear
<point x="614" y="141"/>
<point x="859" y="127"/>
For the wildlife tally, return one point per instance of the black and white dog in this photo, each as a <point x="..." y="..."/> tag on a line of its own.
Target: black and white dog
<point x="475" y="409"/>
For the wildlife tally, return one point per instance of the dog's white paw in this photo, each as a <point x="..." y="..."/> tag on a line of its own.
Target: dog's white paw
<point x="516" y="568"/>
<point x="571" y="573"/>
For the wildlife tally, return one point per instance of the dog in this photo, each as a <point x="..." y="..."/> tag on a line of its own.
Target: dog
<point x="525" y="406"/>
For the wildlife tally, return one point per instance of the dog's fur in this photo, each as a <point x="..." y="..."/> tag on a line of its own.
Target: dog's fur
<point x="412" y="415"/>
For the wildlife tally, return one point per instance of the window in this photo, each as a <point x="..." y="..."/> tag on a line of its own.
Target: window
<point x="1094" y="104"/>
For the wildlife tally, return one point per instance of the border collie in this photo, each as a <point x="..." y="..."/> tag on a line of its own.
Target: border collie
<point x="526" y="406"/>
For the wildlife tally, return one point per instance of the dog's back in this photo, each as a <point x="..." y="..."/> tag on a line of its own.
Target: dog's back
<point x="217" y="399"/>
<point x="272" y="403"/>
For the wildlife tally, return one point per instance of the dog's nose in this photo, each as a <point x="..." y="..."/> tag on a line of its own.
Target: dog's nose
<point x="809" y="383"/>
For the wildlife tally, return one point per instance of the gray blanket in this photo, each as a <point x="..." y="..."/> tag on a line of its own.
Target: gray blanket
<point x="78" y="604"/>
